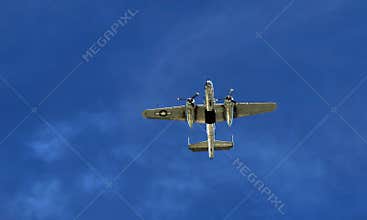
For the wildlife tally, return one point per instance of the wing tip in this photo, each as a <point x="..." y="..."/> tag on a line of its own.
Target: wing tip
<point x="144" y="114"/>
<point x="275" y="106"/>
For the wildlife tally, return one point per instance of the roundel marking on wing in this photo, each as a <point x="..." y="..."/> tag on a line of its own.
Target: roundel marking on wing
<point x="163" y="113"/>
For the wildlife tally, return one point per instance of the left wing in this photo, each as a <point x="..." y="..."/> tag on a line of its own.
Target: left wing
<point x="175" y="113"/>
<point x="167" y="113"/>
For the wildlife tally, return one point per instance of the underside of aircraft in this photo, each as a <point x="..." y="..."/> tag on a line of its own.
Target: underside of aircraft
<point x="210" y="113"/>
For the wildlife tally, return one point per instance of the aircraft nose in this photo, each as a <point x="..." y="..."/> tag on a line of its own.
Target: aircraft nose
<point x="208" y="83"/>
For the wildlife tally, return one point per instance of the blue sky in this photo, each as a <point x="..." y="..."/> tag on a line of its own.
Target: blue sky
<point x="87" y="153"/>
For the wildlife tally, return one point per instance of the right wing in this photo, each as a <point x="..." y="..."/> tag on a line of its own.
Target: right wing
<point x="243" y="109"/>
<point x="175" y="113"/>
<point x="246" y="109"/>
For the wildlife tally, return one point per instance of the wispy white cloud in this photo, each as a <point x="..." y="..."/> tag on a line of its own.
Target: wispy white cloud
<point x="44" y="200"/>
<point x="172" y="193"/>
<point x="49" y="147"/>
<point x="46" y="146"/>
<point x="89" y="183"/>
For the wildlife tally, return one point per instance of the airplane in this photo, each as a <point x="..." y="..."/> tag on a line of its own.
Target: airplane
<point x="209" y="113"/>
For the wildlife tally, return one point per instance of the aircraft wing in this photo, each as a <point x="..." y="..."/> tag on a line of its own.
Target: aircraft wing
<point x="243" y="109"/>
<point x="175" y="113"/>
<point x="166" y="113"/>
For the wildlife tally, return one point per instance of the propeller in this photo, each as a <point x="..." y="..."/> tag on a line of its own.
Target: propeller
<point x="229" y="96"/>
<point x="191" y="99"/>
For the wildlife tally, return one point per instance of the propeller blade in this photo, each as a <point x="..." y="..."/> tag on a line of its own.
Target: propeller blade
<point x="191" y="99"/>
<point x="196" y="95"/>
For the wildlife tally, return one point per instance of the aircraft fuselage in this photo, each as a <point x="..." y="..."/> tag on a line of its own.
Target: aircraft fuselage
<point x="210" y="117"/>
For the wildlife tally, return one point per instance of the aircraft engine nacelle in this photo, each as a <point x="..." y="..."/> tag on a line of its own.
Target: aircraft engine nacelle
<point x="229" y="108"/>
<point x="190" y="113"/>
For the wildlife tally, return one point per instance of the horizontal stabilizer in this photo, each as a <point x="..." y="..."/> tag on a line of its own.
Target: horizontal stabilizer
<point x="218" y="145"/>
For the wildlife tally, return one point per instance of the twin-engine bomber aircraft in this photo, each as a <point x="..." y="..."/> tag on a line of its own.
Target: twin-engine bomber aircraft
<point x="210" y="113"/>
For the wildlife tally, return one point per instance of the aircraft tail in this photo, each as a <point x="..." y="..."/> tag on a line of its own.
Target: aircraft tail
<point x="203" y="146"/>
